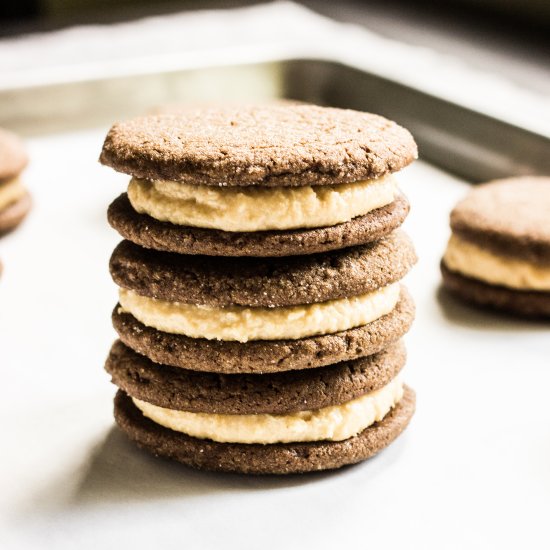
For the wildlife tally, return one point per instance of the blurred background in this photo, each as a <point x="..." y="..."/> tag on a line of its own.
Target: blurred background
<point x="463" y="75"/>
<point x="507" y="36"/>
<point x="43" y="14"/>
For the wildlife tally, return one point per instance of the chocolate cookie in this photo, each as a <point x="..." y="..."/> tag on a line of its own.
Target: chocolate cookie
<point x="262" y="282"/>
<point x="267" y="145"/>
<point x="509" y="217"/>
<point x="499" y="253"/>
<point x="281" y="458"/>
<point x="524" y="303"/>
<point x="278" y="393"/>
<point x="13" y="157"/>
<point x="14" y="214"/>
<point x="150" y="233"/>
<point x="265" y="356"/>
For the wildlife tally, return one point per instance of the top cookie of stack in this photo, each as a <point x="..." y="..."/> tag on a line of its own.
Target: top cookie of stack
<point x="275" y="180"/>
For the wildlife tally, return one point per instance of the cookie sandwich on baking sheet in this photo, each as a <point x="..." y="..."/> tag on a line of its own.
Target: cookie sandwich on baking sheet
<point x="261" y="308"/>
<point x="498" y="255"/>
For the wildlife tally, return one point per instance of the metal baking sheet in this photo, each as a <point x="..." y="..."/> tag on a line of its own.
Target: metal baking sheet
<point x="451" y="135"/>
<point x="470" y="472"/>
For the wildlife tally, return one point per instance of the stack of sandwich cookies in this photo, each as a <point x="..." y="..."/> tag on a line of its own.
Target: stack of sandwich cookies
<point x="286" y="361"/>
<point x="15" y="200"/>
<point x="499" y="253"/>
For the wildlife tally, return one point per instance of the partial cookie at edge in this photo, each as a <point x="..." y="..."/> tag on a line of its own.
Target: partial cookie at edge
<point x="164" y="236"/>
<point x="264" y="356"/>
<point x="278" y="458"/>
<point x="14" y="214"/>
<point x="277" y="393"/>
<point x="508" y="217"/>
<point x="13" y="157"/>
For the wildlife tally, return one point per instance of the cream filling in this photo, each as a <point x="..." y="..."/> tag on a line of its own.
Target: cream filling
<point x="259" y="209"/>
<point x="11" y="191"/>
<point x="260" y="323"/>
<point x="334" y="423"/>
<point x="473" y="261"/>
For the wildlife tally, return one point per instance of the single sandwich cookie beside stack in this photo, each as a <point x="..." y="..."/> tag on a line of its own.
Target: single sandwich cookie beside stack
<point x="498" y="255"/>
<point x="261" y="308"/>
<point x="15" y="201"/>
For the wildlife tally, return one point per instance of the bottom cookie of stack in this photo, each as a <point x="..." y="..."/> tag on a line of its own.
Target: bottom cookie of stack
<point x="281" y="423"/>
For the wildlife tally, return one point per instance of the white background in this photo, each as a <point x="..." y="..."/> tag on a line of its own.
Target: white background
<point x="472" y="470"/>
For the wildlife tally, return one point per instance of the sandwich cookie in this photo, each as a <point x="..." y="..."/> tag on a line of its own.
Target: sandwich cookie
<point x="261" y="314"/>
<point x="272" y="180"/>
<point x="274" y="458"/>
<point x="281" y="423"/>
<point x="499" y="251"/>
<point x="15" y="200"/>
